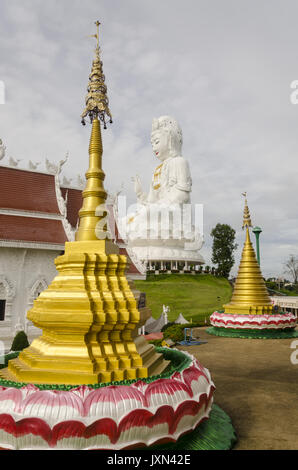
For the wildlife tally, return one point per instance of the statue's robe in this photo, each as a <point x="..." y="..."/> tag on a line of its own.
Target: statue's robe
<point x="171" y="183"/>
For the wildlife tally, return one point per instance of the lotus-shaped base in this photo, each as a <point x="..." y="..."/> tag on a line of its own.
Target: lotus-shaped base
<point x="114" y="416"/>
<point x="253" y="326"/>
<point x="259" y="322"/>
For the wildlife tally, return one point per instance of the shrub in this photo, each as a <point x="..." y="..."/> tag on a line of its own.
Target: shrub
<point x="167" y="325"/>
<point x="175" y="333"/>
<point x="20" y="342"/>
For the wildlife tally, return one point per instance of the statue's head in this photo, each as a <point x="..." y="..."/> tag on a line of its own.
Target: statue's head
<point x="166" y="137"/>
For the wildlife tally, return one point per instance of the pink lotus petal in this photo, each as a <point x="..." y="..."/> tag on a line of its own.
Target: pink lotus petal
<point x="66" y="430"/>
<point x="136" y="418"/>
<point x="114" y="394"/>
<point x="167" y="387"/>
<point x="54" y="398"/>
<point x="34" y="426"/>
<point x="105" y="426"/>
<point x="12" y="394"/>
<point x="192" y="374"/>
<point x="25" y="426"/>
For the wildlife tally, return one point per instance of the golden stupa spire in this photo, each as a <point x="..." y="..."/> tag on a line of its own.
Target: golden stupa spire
<point x="250" y="295"/>
<point x="94" y="195"/>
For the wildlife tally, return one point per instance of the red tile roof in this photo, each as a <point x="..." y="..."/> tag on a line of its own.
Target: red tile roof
<point x="27" y="190"/>
<point x="31" y="229"/>
<point x="30" y="191"/>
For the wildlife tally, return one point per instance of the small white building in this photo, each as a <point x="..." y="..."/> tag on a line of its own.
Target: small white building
<point x="287" y="303"/>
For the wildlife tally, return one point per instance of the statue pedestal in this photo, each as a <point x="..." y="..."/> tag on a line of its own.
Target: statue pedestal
<point x="150" y="254"/>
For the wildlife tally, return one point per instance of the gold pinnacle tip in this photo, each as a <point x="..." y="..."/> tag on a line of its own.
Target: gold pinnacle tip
<point x="97" y="102"/>
<point x="246" y="216"/>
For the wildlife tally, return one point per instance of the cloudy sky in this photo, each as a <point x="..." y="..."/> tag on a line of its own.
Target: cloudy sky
<point x="222" y="68"/>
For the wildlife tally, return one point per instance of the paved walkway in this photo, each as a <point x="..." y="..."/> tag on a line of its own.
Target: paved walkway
<point x="257" y="386"/>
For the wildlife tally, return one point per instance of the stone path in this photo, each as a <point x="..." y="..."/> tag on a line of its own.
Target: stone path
<point x="257" y="386"/>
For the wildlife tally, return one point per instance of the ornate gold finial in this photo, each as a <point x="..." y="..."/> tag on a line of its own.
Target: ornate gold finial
<point x="246" y="216"/>
<point x="97" y="102"/>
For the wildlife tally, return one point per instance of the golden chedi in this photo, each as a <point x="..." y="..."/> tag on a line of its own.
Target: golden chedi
<point x="88" y="313"/>
<point x="250" y="295"/>
<point x="250" y="312"/>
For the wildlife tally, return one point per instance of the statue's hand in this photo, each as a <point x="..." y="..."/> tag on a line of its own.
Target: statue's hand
<point x="137" y="185"/>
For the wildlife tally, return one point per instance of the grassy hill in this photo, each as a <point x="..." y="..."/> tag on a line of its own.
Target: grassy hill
<point x="196" y="297"/>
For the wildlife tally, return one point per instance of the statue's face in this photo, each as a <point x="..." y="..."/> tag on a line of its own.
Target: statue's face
<point x="160" y="145"/>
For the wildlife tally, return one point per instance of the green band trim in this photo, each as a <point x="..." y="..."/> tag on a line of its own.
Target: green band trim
<point x="252" y="334"/>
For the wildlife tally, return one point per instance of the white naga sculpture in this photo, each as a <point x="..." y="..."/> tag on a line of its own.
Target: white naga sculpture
<point x="13" y="162"/>
<point x="56" y="169"/>
<point x="160" y="229"/>
<point x="33" y="166"/>
<point x="66" y="181"/>
<point x="2" y="150"/>
<point x="81" y="182"/>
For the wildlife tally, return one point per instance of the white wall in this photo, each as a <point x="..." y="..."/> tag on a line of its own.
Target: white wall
<point x="23" y="273"/>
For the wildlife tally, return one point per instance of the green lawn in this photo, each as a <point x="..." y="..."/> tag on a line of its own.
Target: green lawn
<point x="196" y="297"/>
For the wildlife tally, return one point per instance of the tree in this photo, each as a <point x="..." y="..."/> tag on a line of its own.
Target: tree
<point x="291" y="268"/>
<point x="223" y="247"/>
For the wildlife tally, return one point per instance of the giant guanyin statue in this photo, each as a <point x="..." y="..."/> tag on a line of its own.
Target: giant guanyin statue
<point x="171" y="182"/>
<point x="160" y="228"/>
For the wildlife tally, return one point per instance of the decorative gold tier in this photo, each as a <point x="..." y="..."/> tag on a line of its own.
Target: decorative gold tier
<point x="87" y="315"/>
<point x="250" y="295"/>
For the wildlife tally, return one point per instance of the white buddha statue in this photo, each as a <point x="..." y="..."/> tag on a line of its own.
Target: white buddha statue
<point x="155" y="231"/>
<point x="171" y="182"/>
